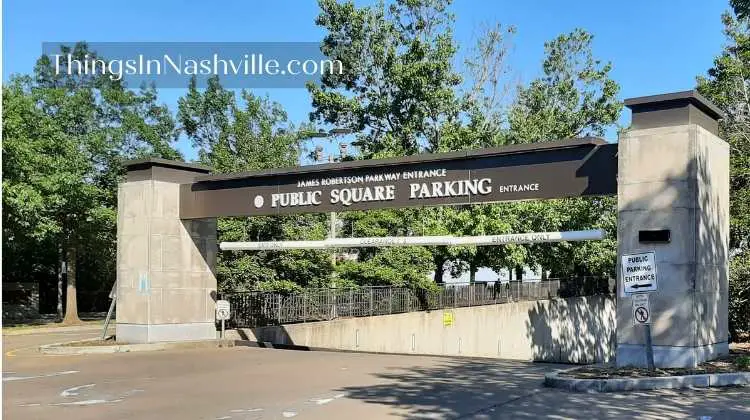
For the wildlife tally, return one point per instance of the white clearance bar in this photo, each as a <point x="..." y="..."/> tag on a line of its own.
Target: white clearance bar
<point x="513" y="238"/>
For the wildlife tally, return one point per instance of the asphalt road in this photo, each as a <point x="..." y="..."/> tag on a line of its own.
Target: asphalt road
<point x="251" y="383"/>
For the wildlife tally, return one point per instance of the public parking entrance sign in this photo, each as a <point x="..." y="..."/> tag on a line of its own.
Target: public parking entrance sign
<point x="638" y="273"/>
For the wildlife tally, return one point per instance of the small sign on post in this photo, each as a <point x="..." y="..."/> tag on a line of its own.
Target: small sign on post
<point x="642" y="316"/>
<point x="222" y="313"/>
<point x="641" y="310"/>
<point x="638" y="273"/>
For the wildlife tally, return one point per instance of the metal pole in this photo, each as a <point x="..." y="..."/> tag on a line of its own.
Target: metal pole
<point x="113" y="294"/>
<point x="278" y="310"/>
<point x="649" y="347"/>
<point x="332" y="234"/>
<point x="390" y="299"/>
<point x="222" y="329"/>
<point x="330" y="306"/>
<point x="448" y="240"/>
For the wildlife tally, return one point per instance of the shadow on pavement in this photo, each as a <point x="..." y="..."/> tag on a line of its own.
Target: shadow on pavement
<point x="480" y="389"/>
<point x="452" y="388"/>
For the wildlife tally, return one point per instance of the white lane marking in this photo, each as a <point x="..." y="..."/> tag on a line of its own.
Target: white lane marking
<point x="131" y="392"/>
<point x="88" y="402"/>
<point x="71" y="392"/>
<point x="288" y="414"/>
<point x="246" y="410"/>
<point x="322" y="401"/>
<point x="223" y="418"/>
<point x="430" y="416"/>
<point x="23" y="378"/>
<point x="29" y="405"/>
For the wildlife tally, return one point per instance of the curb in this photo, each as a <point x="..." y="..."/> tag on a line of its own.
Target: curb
<point x="554" y="380"/>
<point x="61" y="349"/>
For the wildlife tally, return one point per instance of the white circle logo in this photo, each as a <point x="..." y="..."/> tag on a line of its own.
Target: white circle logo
<point x="258" y="201"/>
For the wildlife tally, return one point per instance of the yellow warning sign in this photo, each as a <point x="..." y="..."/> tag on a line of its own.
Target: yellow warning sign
<point x="448" y="319"/>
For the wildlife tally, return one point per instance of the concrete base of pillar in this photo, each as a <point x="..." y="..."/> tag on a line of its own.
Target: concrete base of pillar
<point x="140" y="333"/>
<point x="669" y="356"/>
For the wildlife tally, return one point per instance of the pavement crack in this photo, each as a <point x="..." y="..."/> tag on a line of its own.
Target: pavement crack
<point x="492" y="407"/>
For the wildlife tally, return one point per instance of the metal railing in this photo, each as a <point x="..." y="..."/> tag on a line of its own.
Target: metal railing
<point x="258" y="308"/>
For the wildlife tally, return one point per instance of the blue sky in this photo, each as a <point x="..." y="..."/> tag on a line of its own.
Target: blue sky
<point x="655" y="46"/>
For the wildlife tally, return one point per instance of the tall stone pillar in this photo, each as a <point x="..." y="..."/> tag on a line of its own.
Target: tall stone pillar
<point x="166" y="288"/>
<point x="674" y="174"/>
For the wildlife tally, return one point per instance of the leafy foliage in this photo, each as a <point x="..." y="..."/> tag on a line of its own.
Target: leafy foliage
<point x="575" y="97"/>
<point x="728" y="86"/>
<point x="250" y="135"/>
<point x="739" y="294"/>
<point x="401" y="105"/>
<point x="391" y="266"/>
<point x="398" y="84"/>
<point x="65" y="137"/>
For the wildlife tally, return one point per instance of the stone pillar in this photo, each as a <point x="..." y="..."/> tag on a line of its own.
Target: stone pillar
<point x="166" y="287"/>
<point x="674" y="174"/>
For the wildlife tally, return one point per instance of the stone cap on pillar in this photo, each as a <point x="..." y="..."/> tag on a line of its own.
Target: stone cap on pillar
<point x="670" y="109"/>
<point x="158" y="169"/>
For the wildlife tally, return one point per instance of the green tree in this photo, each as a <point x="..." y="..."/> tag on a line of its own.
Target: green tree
<point x="574" y="97"/>
<point x="728" y="86"/>
<point x="251" y="134"/>
<point x="398" y="84"/>
<point x="741" y="8"/>
<point x="398" y="92"/>
<point x="65" y="137"/>
<point x="425" y="111"/>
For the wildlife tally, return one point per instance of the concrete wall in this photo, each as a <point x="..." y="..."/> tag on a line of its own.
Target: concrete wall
<point x="676" y="178"/>
<point x="573" y="330"/>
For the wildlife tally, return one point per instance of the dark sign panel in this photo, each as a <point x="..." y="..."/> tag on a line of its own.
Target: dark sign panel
<point x="519" y="172"/>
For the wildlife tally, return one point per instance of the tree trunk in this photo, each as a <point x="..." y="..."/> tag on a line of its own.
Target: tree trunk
<point x="472" y="272"/>
<point x="439" y="270"/>
<point x="71" y="304"/>
<point x="60" y="276"/>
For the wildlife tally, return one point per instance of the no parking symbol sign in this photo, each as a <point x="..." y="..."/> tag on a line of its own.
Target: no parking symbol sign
<point x="641" y="310"/>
